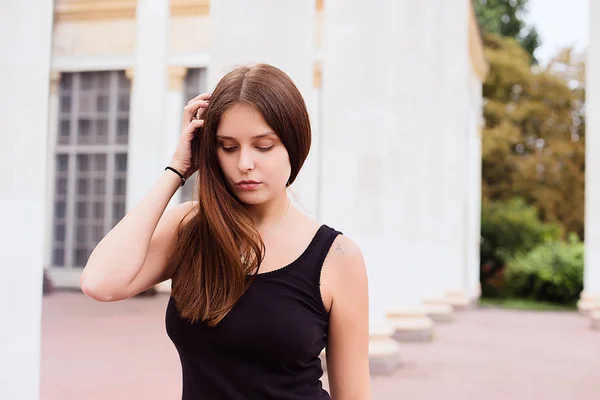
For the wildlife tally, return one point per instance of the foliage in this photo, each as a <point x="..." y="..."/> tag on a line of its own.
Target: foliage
<point x="533" y="141"/>
<point x="510" y="229"/>
<point x="525" y="305"/>
<point x="551" y="272"/>
<point x="506" y="18"/>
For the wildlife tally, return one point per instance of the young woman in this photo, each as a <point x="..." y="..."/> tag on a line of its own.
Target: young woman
<point x="258" y="288"/>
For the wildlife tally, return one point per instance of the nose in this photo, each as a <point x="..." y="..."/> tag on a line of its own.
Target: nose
<point x="245" y="162"/>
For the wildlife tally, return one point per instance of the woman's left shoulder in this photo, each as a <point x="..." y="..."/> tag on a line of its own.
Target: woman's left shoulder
<point x="343" y="247"/>
<point x="345" y="258"/>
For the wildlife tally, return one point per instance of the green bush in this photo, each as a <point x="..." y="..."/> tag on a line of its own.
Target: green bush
<point x="509" y="229"/>
<point x="551" y="272"/>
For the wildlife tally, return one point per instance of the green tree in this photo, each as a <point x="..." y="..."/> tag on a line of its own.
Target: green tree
<point x="506" y="18"/>
<point x="533" y="141"/>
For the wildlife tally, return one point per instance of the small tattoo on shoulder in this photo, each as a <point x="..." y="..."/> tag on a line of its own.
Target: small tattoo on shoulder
<point x="340" y="247"/>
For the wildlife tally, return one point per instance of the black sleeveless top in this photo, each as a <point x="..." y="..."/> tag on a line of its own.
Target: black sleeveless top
<point x="268" y="346"/>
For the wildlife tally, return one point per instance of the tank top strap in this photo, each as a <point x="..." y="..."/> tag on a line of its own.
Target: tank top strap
<point x="325" y="238"/>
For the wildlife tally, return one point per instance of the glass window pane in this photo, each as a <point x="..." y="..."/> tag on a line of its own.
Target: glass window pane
<point x="85" y="131"/>
<point x="124" y="102"/>
<point x="59" y="233"/>
<point x="124" y="83"/>
<point x="118" y="211"/>
<point x="60" y="209"/>
<point x="81" y="256"/>
<point x="122" y="130"/>
<point x="66" y="81"/>
<point x="65" y="104"/>
<point x="102" y="131"/>
<point x="195" y="83"/>
<point x="62" y="162"/>
<point x="81" y="233"/>
<point x="104" y="80"/>
<point x="61" y="186"/>
<point x="82" y="208"/>
<point x="82" y="186"/>
<point x="121" y="163"/>
<point x="98" y="210"/>
<point x="88" y="80"/>
<point x="99" y="186"/>
<point x="96" y="120"/>
<point x="86" y="103"/>
<point x="64" y="131"/>
<point x="83" y="163"/>
<point x="119" y="186"/>
<point x="102" y="103"/>
<point x="98" y="233"/>
<point x="58" y="257"/>
<point x="100" y="162"/>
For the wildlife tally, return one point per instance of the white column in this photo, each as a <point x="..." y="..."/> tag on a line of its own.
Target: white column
<point x="25" y="45"/>
<point x="356" y="175"/>
<point x="453" y="83"/>
<point x="148" y="99"/>
<point x="356" y="138"/>
<point x="277" y="32"/>
<point x="431" y="257"/>
<point x="53" y="110"/>
<point x="474" y="188"/>
<point x="413" y="202"/>
<point x="590" y="299"/>
<point x="173" y="114"/>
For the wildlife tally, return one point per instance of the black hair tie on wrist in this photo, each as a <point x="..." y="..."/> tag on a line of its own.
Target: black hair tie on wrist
<point x="178" y="173"/>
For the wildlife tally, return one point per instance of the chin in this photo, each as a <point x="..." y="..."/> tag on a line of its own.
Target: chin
<point x="252" y="198"/>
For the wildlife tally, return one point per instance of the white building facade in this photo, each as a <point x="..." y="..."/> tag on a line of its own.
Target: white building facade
<point x="394" y="93"/>
<point x="122" y="71"/>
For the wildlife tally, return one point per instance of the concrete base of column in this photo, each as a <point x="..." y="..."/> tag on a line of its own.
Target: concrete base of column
<point x="411" y="324"/>
<point x="475" y="298"/>
<point x="458" y="300"/>
<point x="588" y="302"/>
<point x="595" y="318"/>
<point x="384" y="352"/>
<point x="438" y="309"/>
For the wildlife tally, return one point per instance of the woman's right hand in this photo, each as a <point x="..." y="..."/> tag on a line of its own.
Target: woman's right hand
<point x="191" y="121"/>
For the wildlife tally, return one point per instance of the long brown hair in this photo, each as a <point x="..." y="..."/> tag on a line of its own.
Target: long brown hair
<point x="218" y="250"/>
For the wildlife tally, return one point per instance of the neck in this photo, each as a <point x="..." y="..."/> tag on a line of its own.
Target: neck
<point x="267" y="215"/>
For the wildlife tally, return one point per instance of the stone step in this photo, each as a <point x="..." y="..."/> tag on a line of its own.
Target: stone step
<point x="587" y="303"/>
<point x="458" y="300"/>
<point x="411" y="324"/>
<point x="438" y="309"/>
<point x="384" y="352"/>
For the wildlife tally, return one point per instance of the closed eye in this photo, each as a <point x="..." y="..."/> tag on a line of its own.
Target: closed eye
<point x="265" y="148"/>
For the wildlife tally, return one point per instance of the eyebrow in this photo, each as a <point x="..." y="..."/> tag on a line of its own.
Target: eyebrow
<point x="253" y="137"/>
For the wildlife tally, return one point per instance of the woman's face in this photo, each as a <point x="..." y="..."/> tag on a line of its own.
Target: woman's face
<point x="255" y="163"/>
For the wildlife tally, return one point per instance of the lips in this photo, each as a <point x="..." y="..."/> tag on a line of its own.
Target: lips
<point x="248" y="185"/>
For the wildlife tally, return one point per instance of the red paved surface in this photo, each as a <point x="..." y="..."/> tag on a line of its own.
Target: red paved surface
<point x="120" y="350"/>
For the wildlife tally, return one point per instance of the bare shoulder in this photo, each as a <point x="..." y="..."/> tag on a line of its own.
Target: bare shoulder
<point x="344" y="248"/>
<point x="344" y="263"/>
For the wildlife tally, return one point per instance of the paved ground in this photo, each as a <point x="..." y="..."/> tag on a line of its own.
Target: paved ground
<point x="120" y="351"/>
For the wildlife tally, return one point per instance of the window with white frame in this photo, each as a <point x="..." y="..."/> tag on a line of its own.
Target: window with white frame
<point x="91" y="162"/>
<point x="195" y="83"/>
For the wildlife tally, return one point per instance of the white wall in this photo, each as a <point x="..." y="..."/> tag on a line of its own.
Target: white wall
<point x="25" y="38"/>
<point x="592" y="169"/>
<point x="147" y="130"/>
